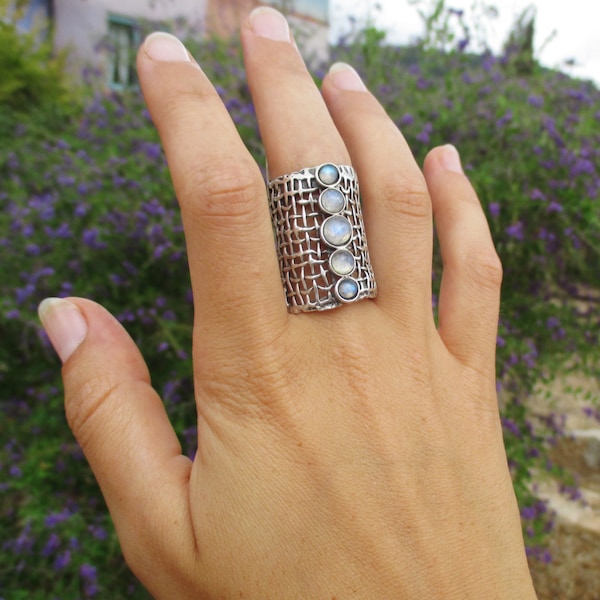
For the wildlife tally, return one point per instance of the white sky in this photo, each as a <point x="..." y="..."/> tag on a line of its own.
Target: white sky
<point x="576" y="24"/>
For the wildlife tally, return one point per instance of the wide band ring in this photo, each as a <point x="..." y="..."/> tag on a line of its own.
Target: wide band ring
<point x="320" y="236"/>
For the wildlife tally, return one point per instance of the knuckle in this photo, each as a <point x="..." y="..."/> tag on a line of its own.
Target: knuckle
<point x="487" y="268"/>
<point x="216" y="192"/>
<point x="84" y="405"/>
<point x="407" y="199"/>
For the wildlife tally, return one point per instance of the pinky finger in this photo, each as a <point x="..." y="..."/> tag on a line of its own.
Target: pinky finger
<point x="470" y="291"/>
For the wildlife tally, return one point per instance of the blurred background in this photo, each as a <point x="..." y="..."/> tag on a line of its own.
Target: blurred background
<point x="566" y="33"/>
<point x="87" y="209"/>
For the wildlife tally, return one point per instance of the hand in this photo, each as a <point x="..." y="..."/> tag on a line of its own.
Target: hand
<point x="354" y="453"/>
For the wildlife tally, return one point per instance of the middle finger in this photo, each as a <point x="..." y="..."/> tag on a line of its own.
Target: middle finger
<point x="291" y="113"/>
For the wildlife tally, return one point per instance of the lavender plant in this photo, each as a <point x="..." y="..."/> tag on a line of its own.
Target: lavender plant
<point x="89" y="210"/>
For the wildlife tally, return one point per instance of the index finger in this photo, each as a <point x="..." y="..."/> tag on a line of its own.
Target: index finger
<point x="220" y="190"/>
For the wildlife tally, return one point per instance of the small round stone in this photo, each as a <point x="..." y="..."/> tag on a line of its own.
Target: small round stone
<point x="346" y="289"/>
<point x="342" y="262"/>
<point x="328" y="174"/>
<point x="332" y="201"/>
<point x="336" y="231"/>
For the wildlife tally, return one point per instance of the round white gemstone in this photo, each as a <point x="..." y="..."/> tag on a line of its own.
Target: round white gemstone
<point x="342" y="262"/>
<point x="332" y="201"/>
<point x="336" y="231"/>
<point x="347" y="289"/>
<point x="328" y="174"/>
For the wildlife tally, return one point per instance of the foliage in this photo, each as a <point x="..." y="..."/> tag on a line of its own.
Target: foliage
<point x="519" y="45"/>
<point x="91" y="212"/>
<point x="34" y="80"/>
<point x="446" y="28"/>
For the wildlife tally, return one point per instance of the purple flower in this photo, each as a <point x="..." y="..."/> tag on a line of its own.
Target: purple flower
<point x="98" y="532"/>
<point x="462" y="44"/>
<point x="159" y="250"/>
<point x="425" y="134"/>
<point x="152" y="151"/>
<point x="582" y="166"/>
<point x="54" y="519"/>
<point x="21" y="294"/>
<point x="406" y="120"/>
<point x="505" y="119"/>
<point x="536" y="101"/>
<point x="80" y="209"/>
<point x="65" y="180"/>
<point x="62" y="560"/>
<point x="63" y="231"/>
<point x="24" y="542"/>
<point x="74" y="544"/>
<point x="515" y="231"/>
<point x="528" y="513"/>
<point x="52" y="545"/>
<point x="87" y="571"/>
<point x="90" y="238"/>
<point x="537" y="194"/>
<point x="511" y="427"/>
<point x="494" y="209"/>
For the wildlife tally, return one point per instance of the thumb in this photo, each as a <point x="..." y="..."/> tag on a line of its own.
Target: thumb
<point x="122" y="427"/>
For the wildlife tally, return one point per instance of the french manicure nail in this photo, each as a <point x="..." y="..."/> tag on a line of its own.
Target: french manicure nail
<point x="345" y="77"/>
<point x="451" y="159"/>
<point x="270" y="23"/>
<point x="164" y="47"/>
<point x="65" y="325"/>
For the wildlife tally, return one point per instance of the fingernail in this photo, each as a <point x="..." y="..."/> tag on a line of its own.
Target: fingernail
<point x="345" y="77"/>
<point x="165" y="47"/>
<point x="451" y="159"/>
<point x="270" y="23"/>
<point x="64" y="324"/>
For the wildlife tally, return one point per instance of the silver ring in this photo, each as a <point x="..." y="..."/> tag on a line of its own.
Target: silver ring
<point x="320" y="236"/>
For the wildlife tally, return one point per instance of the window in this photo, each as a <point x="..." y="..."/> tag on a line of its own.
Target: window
<point x="35" y="14"/>
<point x="124" y="37"/>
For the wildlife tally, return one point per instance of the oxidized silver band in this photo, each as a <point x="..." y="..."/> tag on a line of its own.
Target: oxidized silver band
<point x="321" y="242"/>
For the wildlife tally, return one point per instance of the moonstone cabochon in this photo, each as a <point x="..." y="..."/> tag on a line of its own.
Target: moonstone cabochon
<point x="328" y="174"/>
<point x="347" y="289"/>
<point x="332" y="201"/>
<point x="342" y="262"/>
<point x="336" y="231"/>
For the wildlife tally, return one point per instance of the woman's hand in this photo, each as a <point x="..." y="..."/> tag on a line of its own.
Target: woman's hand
<point x="353" y="453"/>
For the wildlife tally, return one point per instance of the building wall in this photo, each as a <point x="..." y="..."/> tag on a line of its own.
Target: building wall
<point x="82" y="25"/>
<point x="223" y="17"/>
<point x="309" y="20"/>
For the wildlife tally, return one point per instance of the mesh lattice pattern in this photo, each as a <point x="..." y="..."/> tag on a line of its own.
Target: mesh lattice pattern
<point x="297" y="217"/>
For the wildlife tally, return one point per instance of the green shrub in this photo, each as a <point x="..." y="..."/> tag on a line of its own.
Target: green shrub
<point x="34" y="80"/>
<point x="90" y="211"/>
